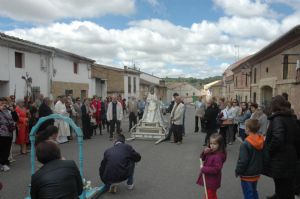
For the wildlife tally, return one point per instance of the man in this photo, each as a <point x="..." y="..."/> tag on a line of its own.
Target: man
<point x="64" y="129"/>
<point x="132" y="109"/>
<point x="169" y="109"/>
<point x="141" y="108"/>
<point x="118" y="164"/>
<point x="114" y="115"/>
<point x="177" y="119"/>
<point x="200" y="110"/>
<point x="210" y="119"/>
<point x="44" y="111"/>
<point x="57" y="178"/>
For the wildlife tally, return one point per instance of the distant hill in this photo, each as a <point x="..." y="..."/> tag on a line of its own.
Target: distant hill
<point x="193" y="81"/>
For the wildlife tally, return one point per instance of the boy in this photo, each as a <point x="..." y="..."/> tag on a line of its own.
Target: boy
<point x="250" y="162"/>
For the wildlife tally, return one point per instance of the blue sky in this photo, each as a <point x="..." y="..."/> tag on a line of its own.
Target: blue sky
<point x="191" y="38"/>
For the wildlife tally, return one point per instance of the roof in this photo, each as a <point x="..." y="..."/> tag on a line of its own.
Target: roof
<point x="218" y="84"/>
<point x="49" y="49"/>
<point x="285" y="41"/>
<point x="108" y="67"/>
<point x="240" y="62"/>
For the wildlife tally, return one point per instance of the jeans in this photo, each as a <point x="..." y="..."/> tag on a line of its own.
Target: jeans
<point x="242" y="134"/>
<point x="249" y="189"/>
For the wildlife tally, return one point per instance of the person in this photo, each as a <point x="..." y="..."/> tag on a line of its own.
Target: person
<point x="22" y="125"/>
<point x="118" y="164"/>
<point x="96" y="106"/>
<point x="282" y="147"/>
<point x="77" y="108"/>
<point x="257" y="113"/>
<point x="114" y="116"/>
<point x="7" y="127"/>
<point x="250" y="162"/>
<point x="45" y="110"/>
<point x="63" y="127"/>
<point x="50" y="133"/>
<point x="200" y="111"/>
<point x="169" y="110"/>
<point x="177" y="120"/>
<point x="57" y="178"/>
<point x="132" y="109"/>
<point x="213" y="157"/>
<point x="243" y="116"/>
<point x="141" y="108"/>
<point x="236" y="111"/>
<point x="210" y="119"/>
<point x="86" y="119"/>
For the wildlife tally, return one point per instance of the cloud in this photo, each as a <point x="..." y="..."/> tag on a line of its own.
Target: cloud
<point x="50" y="10"/>
<point x="244" y="8"/>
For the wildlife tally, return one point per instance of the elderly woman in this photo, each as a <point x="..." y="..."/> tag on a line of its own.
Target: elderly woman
<point x="22" y="124"/>
<point x="6" y="135"/>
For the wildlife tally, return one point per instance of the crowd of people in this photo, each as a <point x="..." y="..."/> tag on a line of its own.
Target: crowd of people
<point x="270" y="145"/>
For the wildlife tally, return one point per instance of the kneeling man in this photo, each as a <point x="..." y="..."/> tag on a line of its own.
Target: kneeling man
<point x="57" y="178"/>
<point x="118" y="164"/>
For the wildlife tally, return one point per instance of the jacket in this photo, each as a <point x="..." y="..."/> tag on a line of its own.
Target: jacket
<point x="212" y="167"/>
<point x="282" y="145"/>
<point x="210" y="117"/>
<point x="44" y="111"/>
<point x="250" y="162"/>
<point x="116" y="163"/>
<point x="56" y="179"/>
<point x="6" y="121"/>
<point x="110" y="111"/>
<point x="177" y="114"/>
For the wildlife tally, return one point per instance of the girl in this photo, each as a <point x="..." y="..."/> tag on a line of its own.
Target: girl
<point x="213" y="157"/>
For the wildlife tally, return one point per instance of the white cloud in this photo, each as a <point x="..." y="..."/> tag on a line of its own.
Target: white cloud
<point x="244" y="8"/>
<point x="50" y="10"/>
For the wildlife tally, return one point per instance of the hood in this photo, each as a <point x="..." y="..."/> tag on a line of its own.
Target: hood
<point x="256" y="140"/>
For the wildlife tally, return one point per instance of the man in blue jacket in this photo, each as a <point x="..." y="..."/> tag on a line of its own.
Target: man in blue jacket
<point x="118" y="164"/>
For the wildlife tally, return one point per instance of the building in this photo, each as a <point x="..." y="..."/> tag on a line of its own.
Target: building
<point x="28" y="69"/>
<point x="216" y="89"/>
<point x="185" y="90"/>
<point x="147" y="80"/>
<point x="274" y="70"/>
<point x="241" y="79"/>
<point x="109" y="81"/>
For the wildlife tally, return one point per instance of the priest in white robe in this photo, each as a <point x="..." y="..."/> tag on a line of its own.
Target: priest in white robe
<point x="63" y="127"/>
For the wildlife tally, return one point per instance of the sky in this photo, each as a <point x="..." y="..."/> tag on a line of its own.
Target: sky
<point x="166" y="38"/>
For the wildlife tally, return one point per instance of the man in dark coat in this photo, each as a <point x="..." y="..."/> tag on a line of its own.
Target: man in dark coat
<point x="118" y="164"/>
<point x="56" y="178"/>
<point x="45" y="110"/>
<point x="210" y="119"/>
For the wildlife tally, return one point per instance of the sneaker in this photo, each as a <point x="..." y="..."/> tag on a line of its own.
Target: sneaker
<point x="113" y="189"/>
<point x="5" y="168"/>
<point x="130" y="186"/>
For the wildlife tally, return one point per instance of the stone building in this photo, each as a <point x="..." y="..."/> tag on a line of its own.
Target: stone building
<point x="216" y="89"/>
<point x="274" y="70"/>
<point x="184" y="89"/>
<point x="147" y="80"/>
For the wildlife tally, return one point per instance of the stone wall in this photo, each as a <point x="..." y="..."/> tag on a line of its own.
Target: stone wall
<point x="59" y="88"/>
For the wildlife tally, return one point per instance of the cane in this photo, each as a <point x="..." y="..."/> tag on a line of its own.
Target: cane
<point x="204" y="182"/>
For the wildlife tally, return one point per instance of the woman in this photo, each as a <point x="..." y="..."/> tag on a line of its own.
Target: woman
<point x="243" y="116"/>
<point x="281" y="144"/>
<point x="6" y="135"/>
<point x="22" y="124"/>
<point x="86" y="119"/>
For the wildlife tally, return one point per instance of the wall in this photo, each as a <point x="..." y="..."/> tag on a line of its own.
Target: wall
<point x="58" y="88"/>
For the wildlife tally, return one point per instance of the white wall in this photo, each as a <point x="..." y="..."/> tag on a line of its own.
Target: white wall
<point x="150" y="78"/>
<point x="132" y="94"/>
<point x="12" y="74"/>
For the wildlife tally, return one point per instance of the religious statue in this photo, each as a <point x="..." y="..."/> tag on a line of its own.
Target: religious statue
<point x="152" y="112"/>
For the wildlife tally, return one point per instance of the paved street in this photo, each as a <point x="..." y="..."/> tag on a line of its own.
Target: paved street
<point x="166" y="170"/>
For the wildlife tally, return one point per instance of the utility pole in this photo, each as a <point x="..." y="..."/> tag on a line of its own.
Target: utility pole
<point x="237" y="52"/>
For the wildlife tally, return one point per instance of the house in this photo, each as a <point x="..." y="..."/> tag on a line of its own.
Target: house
<point x="184" y="89"/>
<point x="241" y="79"/>
<point x="274" y="70"/>
<point x="147" y="80"/>
<point x="216" y="89"/>
<point x="28" y="69"/>
<point x="108" y="80"/>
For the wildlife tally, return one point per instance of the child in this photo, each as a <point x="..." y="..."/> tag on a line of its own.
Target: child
<point x="214" y="157"/>
<point x="250" y="162"/>
<point x="50" y="133"/>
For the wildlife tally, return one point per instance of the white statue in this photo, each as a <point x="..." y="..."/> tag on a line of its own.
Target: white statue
<point x="152" y="112"/>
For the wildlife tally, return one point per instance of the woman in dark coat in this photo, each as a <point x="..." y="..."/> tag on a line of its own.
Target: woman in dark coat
<point x="86" y="119"/>
<point x="281" y="146"/>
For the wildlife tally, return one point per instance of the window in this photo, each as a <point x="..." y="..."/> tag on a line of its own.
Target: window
<point x="236" y="81"/>
<point x="254" y="76"/>
<point x="267" y="70"/>
<point x="246" y="80"/>
<point x="134" y="84"/>
<point x="75" y="68"/>
<point x="68" y="92"/>
<point x="254" y="97"/>
<point x="129" y="84"/>
<point x="285" y="67"/>
<point x="19" y="60"/>
<point x="246" y="98"/>
<point x="35" y="92"/>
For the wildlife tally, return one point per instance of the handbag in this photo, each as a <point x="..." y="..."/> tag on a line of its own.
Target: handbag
<point x="93" y="121"/>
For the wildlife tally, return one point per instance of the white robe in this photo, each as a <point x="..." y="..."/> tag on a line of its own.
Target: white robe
<point x="152" y="112"/>
<point x="63" y="127"/>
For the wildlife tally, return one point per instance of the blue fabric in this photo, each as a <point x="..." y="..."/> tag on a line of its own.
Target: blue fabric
<point x="249" y="190"/>
<point x="242" y="134"/>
